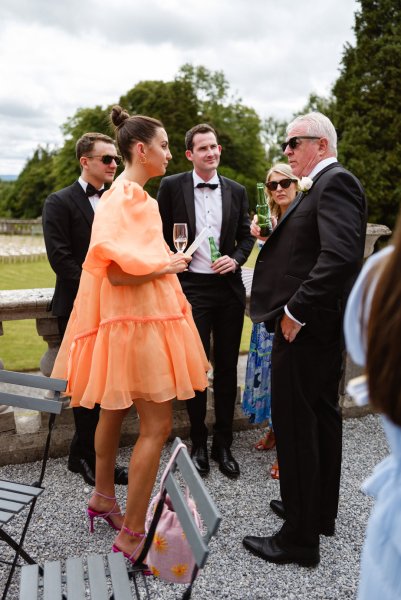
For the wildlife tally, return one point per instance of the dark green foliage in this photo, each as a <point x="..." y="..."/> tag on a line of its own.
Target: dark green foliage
<point x="24" y="199"/>
<point x="366" y="108"/>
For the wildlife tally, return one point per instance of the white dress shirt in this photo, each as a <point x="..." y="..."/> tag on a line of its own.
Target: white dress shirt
<point x="208" y="213"/>
<point x="95" y="199"/>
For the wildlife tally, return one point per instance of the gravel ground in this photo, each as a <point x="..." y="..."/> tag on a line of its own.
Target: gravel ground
<point x="59" y="528"/>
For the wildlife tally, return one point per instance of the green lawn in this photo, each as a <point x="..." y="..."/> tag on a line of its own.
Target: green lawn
<point x="21" y="348"/>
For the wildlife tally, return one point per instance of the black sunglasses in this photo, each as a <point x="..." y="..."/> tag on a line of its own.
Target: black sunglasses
<point x="294" y="141"/>
<point x="107" y="159"/>
<point x="284" y="183"/>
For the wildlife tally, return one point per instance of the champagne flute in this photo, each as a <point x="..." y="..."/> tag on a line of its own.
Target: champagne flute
<point x="180" y="236"/>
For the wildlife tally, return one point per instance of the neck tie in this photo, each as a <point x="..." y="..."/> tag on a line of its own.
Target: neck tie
<point x="212" y="186"/>
<point x="92" y="191"/>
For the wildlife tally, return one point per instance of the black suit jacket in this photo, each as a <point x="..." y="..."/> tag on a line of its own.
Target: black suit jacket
<point x="310" y="261"/>
<point x="67" y="223"/>
<point x="177" y="205"/>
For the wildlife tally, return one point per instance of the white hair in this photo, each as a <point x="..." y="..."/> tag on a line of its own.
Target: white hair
<point x="318" y="125"/>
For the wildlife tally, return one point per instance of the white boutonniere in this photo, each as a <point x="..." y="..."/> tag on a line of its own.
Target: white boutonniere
<point x="305" y="184"/>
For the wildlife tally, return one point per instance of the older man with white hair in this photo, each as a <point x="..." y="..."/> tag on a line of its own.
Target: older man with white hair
<point x="302" y="279"/>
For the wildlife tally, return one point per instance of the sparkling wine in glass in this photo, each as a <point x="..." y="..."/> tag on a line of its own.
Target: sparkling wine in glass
<point x="180" y="236"/>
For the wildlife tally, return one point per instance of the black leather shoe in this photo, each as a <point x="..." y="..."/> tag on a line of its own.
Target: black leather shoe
<point x="81" y="466"/>
<point x="269" y="549"/>
<point x="227" y="463"/>
<point x="278" y="508"/>
<point x="200" y="459"/>
<point x="328" y="528"/>
<point x="121" y="476"/>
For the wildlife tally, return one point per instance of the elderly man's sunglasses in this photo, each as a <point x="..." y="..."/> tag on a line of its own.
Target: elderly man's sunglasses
<point x="294" y="141"/>
<point x="284" y="183"/>
<point x="107" y="159"/>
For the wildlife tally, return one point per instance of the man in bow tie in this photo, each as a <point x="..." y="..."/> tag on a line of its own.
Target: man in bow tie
<point x="204" y="199"/>
<point x="67" y="222"/>
<point x="302" y="278"/>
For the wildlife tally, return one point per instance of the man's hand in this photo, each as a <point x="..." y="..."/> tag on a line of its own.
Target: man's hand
<point x="178" y="263"/>
<point x="224" y="265"/>
<point x="289" y="328"/>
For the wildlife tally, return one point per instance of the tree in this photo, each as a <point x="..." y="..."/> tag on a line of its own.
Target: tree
<point x="366" y="109"/>
<point x="35" y="182"/>
<point x="65" y="165"/>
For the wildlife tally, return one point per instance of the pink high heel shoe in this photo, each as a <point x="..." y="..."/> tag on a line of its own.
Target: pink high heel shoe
<point x="107" y="516"/>
<point x="130" y="557"/>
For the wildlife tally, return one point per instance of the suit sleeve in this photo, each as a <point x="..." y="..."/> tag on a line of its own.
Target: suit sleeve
<point x="164" y="199"/>
<point x="56" y="230"/>
<point x="341" y="224"/>
<point x="244" y="240"/>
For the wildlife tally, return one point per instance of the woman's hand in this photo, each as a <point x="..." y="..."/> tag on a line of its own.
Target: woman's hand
<point x="178" y="263"/>
<point x="255" y="229"/>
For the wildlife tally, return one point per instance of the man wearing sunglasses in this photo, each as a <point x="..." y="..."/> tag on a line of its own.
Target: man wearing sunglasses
<point x="302" y="278"/>
<point x="67" y="223"/>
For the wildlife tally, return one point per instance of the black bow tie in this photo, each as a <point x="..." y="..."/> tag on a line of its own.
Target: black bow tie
<point x="212" y="186"/>
<point x="92" y="191"/>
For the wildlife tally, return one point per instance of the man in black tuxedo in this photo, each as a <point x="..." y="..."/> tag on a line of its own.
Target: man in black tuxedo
<point x="202" y="198"/>
<point x="67" y="222"/>
<point x="302" y="278"/>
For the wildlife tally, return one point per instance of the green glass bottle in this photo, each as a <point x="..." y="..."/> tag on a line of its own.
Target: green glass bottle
<point x="263" y="211"/>
<point x="214" y="251"/>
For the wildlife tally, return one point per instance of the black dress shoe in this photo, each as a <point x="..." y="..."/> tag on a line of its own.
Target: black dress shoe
<point x="327" y="528"/>
<point x="82" y="466"/>
<point x="200" y="459"/>
<point x="121" y="476"/>
<point x="278" y="508"/>
<point x="269" y="549"/>
<point x="227" y="463"/>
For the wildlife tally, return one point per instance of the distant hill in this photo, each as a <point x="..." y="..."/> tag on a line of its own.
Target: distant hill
<point x="8" y="177"/>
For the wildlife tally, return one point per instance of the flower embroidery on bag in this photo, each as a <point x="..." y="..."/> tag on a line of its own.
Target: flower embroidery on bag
<point x="160" y="543"/>
<point x="155" y="571"/>
<point x="305" y="184"/>
<point x="179" y="570"/>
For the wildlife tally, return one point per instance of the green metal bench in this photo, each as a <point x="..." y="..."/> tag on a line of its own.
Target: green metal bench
<point x="14" y="497"/>
<point x="99" y="579"/>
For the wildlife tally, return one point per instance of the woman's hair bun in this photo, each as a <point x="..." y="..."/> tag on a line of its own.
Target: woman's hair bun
<point x="118" y="115"/>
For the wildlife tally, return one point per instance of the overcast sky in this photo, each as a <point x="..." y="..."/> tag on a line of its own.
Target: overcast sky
<point x="59" y="55"/>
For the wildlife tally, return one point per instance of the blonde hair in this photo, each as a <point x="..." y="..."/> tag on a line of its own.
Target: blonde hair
<point x="283" y="169"/>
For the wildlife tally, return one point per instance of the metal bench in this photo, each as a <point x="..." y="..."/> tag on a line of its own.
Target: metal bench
<point x="99" y="579"/>
<point x="14" y="497"/>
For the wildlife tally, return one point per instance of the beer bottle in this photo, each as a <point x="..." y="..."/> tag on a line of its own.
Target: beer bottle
<point x="263" y="211"/>
<point x="214" y="251"/>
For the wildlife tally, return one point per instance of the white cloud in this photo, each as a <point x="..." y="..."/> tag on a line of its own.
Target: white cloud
<point x="57" y="57"/>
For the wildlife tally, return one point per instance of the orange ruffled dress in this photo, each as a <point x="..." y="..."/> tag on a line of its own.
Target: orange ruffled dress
<point x="130" y="341"/>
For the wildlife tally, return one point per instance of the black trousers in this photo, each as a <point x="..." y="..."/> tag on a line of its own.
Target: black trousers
<point x="218" y="313"/>
<point x="308" y="428"/>
<point x="86" y="420"/>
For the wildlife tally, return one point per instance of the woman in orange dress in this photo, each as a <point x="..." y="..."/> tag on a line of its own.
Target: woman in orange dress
<point x="131" y="337"/>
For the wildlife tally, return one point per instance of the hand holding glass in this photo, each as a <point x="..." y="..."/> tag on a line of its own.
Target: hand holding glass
<point x="180" y="236"/>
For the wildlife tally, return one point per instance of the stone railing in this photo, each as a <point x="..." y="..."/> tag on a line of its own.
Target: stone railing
<point x="21" y="226"/>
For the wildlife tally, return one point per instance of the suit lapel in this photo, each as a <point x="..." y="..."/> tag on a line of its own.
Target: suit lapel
<point x="189" y="200"/>
<point x="300" y="196"/>
<point x="82" y="202"/>
<point x="225" y="209"/>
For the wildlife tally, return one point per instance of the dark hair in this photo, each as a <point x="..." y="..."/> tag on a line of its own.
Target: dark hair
<point x="137" y="128"/>
<point x="86" y="143"/>
<point x="384" y="335"/>
<point x="202" y="128"/>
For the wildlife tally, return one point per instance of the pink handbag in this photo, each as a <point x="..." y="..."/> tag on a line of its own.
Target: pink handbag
<point x="170" y="556"/>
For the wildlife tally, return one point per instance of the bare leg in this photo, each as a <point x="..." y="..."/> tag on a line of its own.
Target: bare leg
<point x="107" y="440"/>
<point x="155" y="425"/>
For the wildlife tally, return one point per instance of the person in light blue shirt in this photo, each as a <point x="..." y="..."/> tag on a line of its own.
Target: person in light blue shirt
<point x="372" y="328"/>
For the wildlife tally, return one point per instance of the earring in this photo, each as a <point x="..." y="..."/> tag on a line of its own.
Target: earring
<point x="143" y="160"/>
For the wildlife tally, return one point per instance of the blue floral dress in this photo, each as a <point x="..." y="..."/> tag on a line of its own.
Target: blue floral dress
<point x="256" y="401"/>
